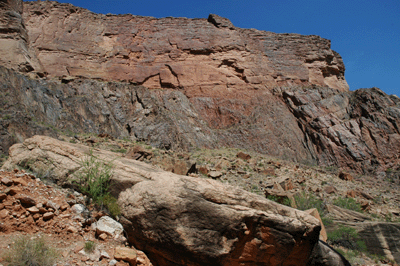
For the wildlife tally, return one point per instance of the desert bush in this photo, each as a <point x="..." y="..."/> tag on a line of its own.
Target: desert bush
<point x="348" y="203"/>
<point x="283" y="201"/>
<point x="90" y="246"/>
<point x="94" y="180"/>
<point x="94" y="177"/>
<point x="346" y="237"/>
<point x="305" y="201"/>
<point x="110" y="203"/>
<point x="27" y="251"/>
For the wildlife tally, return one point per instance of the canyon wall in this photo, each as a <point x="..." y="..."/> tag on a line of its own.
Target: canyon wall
<point x="15" y="51"/>
<point x="201" y="56"/>
<point x="180" y="83"/>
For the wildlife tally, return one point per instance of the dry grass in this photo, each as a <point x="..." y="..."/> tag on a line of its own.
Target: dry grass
<point x="30" y="251"/>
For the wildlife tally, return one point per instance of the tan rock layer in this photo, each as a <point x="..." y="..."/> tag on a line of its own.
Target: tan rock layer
<point x="198" y="55"/>
<point x="15" y="52"/>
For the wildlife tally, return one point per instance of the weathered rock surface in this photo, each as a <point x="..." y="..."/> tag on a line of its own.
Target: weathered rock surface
<point x="185" y="220"/>
<point x="380" y="238"/>
<point x="314" y="125"/>
<point x="109" y="226"/>
<point x="201" y="56"/>
<point x="15" y="51"/>
<point x="359" y="129"/>
<point x="323" y="254"/>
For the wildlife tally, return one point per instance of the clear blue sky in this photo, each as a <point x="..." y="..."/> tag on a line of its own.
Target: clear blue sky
<point x="366" y="33"/>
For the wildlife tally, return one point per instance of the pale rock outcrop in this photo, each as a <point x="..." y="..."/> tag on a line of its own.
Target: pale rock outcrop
<point x="109" y="226"/>
<point x="184" y="220"/>
<point x="15" y="51"/>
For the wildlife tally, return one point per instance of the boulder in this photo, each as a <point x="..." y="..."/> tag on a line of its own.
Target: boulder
<point x="381" y="238"/>
<point x="346" y="176"/>
<point x="109" y="226"/>
<point x="181" y="220"/>
<point x="126" y="254"/>
<point x="325" y="255"/>
<point x="314" y="212"/>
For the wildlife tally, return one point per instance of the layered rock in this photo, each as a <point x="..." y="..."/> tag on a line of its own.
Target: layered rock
<point x="185" y="220"/>
<point x="15" y="52"/>
<point x="358" y="130"/>
<point x="202" y="57"/>
<point x="381" y="238"/>
<point x="206" y="84"/>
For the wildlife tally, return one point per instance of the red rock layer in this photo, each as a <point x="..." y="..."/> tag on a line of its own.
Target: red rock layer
<point x="204" y="57"/>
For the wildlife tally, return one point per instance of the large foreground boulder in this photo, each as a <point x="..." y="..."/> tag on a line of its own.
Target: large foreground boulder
<point x="181" y="220"/>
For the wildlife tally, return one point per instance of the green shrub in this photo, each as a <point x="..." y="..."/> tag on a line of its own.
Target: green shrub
<point x="94" y="180"/>
<point x="94" y="177"/>
<point x="306" y="201"/>
<point x="119" y="150"/>
<point x="346" y="237"/>
<point x="28" y="251"/>
<point x="280" y="200"/>
<point x="348" y="203"/>
<point x="90" y="246"/>
<point x="111" y="205"/>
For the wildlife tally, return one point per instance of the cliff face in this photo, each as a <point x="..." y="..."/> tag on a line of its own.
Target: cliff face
<point x="196" y="83"/>
<point x="198" y="55"/>
<point x="14" y="42"/>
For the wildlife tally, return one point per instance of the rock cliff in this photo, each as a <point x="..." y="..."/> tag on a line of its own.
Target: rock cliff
<point x="204" y="57"/>
<point x="15" y="51"/>
<point x="181" y="83"/>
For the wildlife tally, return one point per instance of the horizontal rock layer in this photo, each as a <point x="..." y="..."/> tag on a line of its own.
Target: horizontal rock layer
<point x="202" y="57"/>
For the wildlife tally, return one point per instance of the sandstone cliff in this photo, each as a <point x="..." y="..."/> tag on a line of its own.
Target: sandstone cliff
<point x="202" y="57"/>
<point x="15" y="51"/>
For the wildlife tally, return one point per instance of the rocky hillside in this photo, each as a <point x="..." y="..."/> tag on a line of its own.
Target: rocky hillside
<point x="173" y="212"/>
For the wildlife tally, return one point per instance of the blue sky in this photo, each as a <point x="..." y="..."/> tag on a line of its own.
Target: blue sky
<point x="365" y="33"/>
